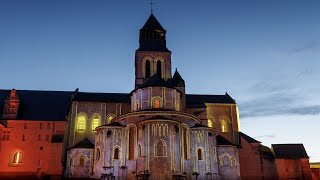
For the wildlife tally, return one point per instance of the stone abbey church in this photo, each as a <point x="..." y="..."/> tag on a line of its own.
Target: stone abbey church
<point x="156" y="131"/>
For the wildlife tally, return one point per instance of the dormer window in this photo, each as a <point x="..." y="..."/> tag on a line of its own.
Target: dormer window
<point x="11" y="108"/>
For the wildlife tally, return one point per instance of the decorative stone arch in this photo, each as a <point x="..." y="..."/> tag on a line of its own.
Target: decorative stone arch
<point x="144" y="61"/>
<point x="185" y="140"/>
<point x="110" y="117"/>
<point x="156" y="102"/>
<point x="82" y="158"/>
<point x="233" y="161"/>
<point x="221" y="159"/>
<point x="95" y="120"/>
<point x="132" y="141"/>
<point x="81" y="121"/>
<point x="200" y="153"/>
<point x="224" y="123"/>
<point x="162" y="65"/>
<point x="116" y="155"/>
<point x="160" y="148"/>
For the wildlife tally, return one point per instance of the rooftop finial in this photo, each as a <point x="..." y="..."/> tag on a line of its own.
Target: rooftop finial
<point x="151" y="6"/>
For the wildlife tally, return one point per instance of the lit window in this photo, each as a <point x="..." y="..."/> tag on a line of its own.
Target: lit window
<point x="17" y="158"/>
<point x="95" y="122"/>
<point x="156" y="102"/>
<point x="110" y="117"/>
<point x="210" y="123"/>
<point x="160" y="149"/>
<point x="11" y="108"/>
<point x="199" y="152"/>
<point x="224" y="125"/>
<point x="81" y="120"/>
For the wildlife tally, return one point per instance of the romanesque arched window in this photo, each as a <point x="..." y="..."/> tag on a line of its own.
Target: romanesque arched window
<point x="156" y="102"/>
<point x="110" y="117"/>
<point x="95" y="121"/>
<point x="147" y="69"/>
<point x="159" y="68"/>
<point x="81" y="161"/>
<point x="116" y="153"/>
<point x="131" y="143"/>
<point x="185" y="142"/>
<point x="224" y="125"/>
<point x="81" y="121"/>
<point x="200" y="154"/>
<point x="17" y="158"/>
<point x="210" y="122"/>
<point x="160" y="149"/>
<point x="225" y="159"/>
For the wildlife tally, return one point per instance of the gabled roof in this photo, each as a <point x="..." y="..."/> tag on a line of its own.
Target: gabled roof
<point x="289" y="151"/>
<point x="248" y="138"/>
<point x="84" y="144"/>
<point x="197" y="101"/>
<point x="40" y="105"/>
<point x="152" y="23"/>
<point x="102" y="97"/>
<point x="223" y="141"/>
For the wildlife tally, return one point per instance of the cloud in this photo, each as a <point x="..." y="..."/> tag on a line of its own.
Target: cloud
<point x="310" y="46"/>
<point x="277" y="104"/>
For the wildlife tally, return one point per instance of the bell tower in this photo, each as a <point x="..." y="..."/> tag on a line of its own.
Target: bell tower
<point x="152" y="56"/>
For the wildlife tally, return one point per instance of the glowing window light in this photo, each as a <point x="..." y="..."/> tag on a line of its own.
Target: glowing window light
<point x="81" y="122"/>
<point x="95" y="122"/>
<point x="17" y="158"/>
<point x="210" y="123"/>
<point x="224" y="125"/>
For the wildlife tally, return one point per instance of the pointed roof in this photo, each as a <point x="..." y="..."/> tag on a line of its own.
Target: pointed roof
<point x="176" y="80"/>
<point x="152" y="23"/>
<point x="84" y="144"/>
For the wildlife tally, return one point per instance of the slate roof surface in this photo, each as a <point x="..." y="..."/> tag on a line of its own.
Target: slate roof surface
<point x="40" y="105"/>
<point x="152" y="23"/>
<point x="223" y="141"/>
<point x="197" y="101"/>
<point x="289" y="151"/>
<point x="248" y="138"/>
<point x="102" y="97"/>
<point x="198" y="125"/>
<point x="156" y="80"/>
<point x="114" y="124"/>
<point x="84" y="144"/>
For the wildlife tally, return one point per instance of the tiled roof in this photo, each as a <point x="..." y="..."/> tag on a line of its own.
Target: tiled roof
<point x="197" y="101"/>
<point x="152" y="24"/>
<point x="102" y="97"/>
<point x="289" y="151"/>
<point x="40" y="105"/>
<point x="248" y="138"/>
<point x="84" y="144"/>
<point x="223" y="141"/>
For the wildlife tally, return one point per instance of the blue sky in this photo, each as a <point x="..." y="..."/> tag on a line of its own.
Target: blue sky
<point x="266" y="54"/>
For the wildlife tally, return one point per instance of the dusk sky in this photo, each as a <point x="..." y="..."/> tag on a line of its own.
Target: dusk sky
<point x="265" y="54"/>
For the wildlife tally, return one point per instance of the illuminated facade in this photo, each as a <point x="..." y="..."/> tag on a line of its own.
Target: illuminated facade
<point x="155" y="132"/>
